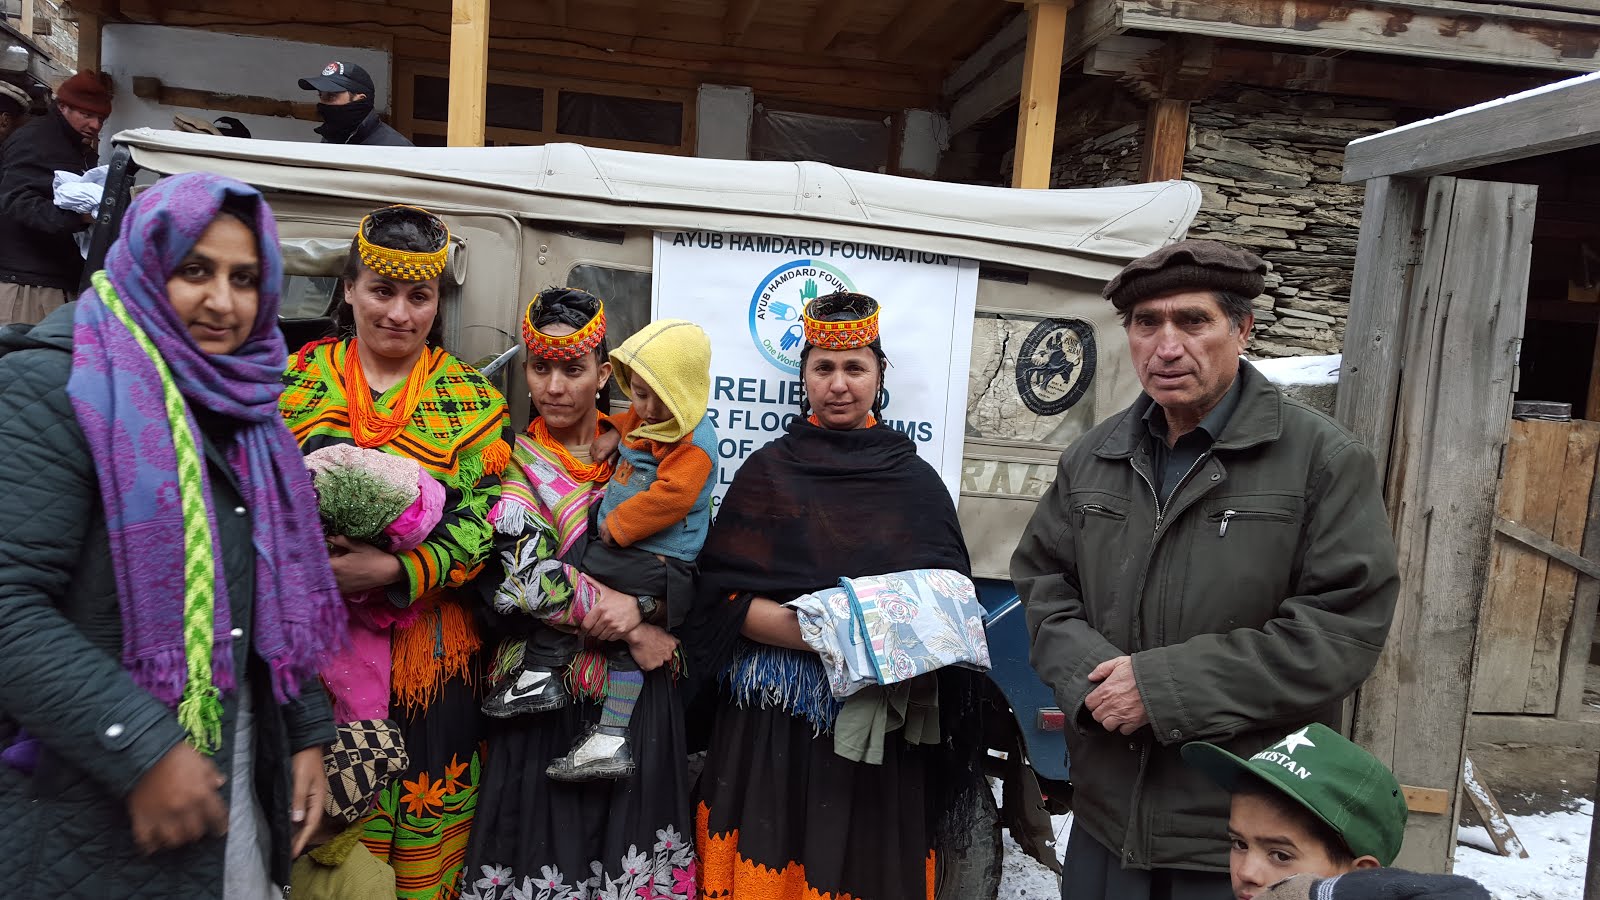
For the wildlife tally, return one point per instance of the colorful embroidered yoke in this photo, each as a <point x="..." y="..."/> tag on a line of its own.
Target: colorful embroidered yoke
<point x="458" y="420"/>
<point x="457" y="433"/>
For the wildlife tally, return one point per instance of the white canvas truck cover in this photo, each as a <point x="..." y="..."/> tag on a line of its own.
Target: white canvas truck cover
<point x="1090" y="233"/>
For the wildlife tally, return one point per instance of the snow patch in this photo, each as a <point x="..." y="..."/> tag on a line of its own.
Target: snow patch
<point x="1294" y="370"/>
<point x="1558" y="848"/>
<point x="1488" y="104"/>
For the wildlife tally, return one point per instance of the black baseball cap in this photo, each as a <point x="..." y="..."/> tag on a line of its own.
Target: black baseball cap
<point x="337" y="76"/>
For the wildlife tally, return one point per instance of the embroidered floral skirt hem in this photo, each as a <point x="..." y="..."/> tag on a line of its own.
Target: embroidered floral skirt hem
<point x="537" y="839"/>
<point x="780" y="816"/>
<point x="424" y="818"/>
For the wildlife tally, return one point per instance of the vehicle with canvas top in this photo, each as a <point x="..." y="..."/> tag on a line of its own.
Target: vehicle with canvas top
<point x="1043" y="354"/>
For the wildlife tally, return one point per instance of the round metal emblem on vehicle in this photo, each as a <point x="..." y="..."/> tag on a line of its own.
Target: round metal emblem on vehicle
<point x="1055" y="365"/>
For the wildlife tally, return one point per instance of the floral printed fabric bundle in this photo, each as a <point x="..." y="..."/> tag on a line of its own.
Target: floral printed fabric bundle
<point x="392" y="503"/>
<point x="885" y="629"/>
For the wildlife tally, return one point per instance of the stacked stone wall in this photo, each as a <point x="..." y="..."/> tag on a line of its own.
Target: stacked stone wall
<point x="1268" y="165"/>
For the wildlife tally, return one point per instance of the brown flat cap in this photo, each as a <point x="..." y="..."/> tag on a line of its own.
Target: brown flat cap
<point x="1188" y="266"/>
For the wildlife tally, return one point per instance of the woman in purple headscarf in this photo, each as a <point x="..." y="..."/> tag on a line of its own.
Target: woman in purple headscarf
<point x="164" y="597"/>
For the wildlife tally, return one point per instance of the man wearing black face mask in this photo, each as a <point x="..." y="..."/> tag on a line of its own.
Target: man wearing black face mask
<point x="345" y="101"/>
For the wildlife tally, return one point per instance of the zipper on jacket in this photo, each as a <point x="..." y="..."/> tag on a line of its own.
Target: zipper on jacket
<point x="1228" y="515"/>
<point x="1085" y="510"/>
<point x="1161" y="512"/>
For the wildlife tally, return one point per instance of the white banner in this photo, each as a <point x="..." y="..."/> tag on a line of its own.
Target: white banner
<point x="747" y="292"/>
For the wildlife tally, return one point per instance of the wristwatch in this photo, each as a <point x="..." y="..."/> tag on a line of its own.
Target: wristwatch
<point x="647" y="606"/>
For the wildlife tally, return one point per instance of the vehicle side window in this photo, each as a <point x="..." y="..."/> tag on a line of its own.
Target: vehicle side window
<point x="307" y="296"/>
<point x="626" y="293"/>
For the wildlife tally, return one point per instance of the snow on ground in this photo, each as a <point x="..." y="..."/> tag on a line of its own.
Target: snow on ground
<point x="1558" y="847"/>
<point x="1300" y="369"/>
<point x="1024" y="878"/>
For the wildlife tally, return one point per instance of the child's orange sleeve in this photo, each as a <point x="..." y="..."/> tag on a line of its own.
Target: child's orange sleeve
<point x="681" y="475"/>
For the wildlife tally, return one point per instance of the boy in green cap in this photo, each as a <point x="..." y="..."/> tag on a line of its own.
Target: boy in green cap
<point x="1313" y="803"/>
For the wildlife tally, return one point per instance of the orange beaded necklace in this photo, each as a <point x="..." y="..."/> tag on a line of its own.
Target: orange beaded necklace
<point x="596" y="473"/>
<point x="370" y="427"/>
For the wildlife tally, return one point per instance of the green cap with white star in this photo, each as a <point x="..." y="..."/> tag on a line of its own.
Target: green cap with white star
<point x="1323" y="771"/>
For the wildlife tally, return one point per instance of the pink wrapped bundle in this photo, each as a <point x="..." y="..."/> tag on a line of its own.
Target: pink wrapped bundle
<point x="363" y="494"/>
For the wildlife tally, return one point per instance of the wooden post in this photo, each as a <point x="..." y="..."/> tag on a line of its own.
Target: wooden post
<point x="26" y="25"/>
<point x="469" y="72"/>
<point x="1166" y="139"/>
<point x="1375" y="337"/>
<point x="88" y="40"/>
<point x="1041" y="84"/>
<point x="1463" y="316"/>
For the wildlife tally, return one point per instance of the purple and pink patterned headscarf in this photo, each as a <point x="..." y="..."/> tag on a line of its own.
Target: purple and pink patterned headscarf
<point x="116" y="392"/>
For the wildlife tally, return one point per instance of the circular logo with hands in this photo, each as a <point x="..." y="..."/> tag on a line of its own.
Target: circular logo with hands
<point x="778" y="301"/>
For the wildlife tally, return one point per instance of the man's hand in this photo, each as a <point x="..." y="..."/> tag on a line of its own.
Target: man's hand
<point x="1115" y="702"/>
<point x="176" y="802"/>
<point x="613" y="616"/>
<point x="651" y="646"/>
<point x="310" y="792"/>
<point x="359" y="566"/>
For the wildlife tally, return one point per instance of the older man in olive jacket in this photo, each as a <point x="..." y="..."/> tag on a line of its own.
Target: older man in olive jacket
<point x="1213" y="563"/>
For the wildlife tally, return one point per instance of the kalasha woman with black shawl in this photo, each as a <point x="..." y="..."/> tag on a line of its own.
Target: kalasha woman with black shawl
<point x="781" y="814"/>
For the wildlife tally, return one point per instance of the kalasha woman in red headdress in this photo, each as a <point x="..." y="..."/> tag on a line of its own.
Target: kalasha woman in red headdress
<point x="787" y="810"/>
<point x="536" y="835"/>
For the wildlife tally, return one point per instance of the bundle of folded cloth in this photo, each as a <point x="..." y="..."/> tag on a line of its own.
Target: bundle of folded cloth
<point x="886" y="629"/>
<point x="81" y="194"/>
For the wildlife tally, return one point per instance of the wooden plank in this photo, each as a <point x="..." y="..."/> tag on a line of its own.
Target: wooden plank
<point x="1494" y="818"/>
<point x="910" y="25"/>
<point x="1375" y="335"/>
<point x="1547" y="547"/>
<point x="148" y="88"/>
<point x="558" y="13"/>
<point x="1001" y="46"/>
<point x="26" y="24"/>
<point x="1088" y="22"/>
<point x="1461" y="341"/>
<point x="1166" y="138"/>
<point x="1559" y="118"/>
<point x="469" y="71"/>
<point x="737" y="21"/>
<point x="827" y="23"/>
<point x="1529" y="491"/>
<point x="1432" y="801"/>
<point x="1561" y="581"/>
<point x="1580" y="633"/>
<point x="1478" y="33"/>
<point x="1041" y="85"/>
<point x="1415" y="84"/>
<point x="1592" y="403"/>
<point x="89" y="25"/>
<point x="646" y="16"/>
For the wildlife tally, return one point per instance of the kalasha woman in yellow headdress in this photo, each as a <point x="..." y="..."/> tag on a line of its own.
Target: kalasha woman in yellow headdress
<point x="384" y="383"/>
<point x="802" y="797"/>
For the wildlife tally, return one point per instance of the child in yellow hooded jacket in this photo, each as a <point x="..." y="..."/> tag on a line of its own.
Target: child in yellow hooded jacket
<point x="653" y="521"/>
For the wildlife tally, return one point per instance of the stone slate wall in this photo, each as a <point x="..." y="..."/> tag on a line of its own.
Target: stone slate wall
<point x="1268" y="164"/>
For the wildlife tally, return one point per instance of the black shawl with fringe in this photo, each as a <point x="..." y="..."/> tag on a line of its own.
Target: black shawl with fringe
<point x="814" y="506"/>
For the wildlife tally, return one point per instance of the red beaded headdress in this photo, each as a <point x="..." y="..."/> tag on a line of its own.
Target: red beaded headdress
<point x="567" y="346"/>
<point x="841" y="321"/>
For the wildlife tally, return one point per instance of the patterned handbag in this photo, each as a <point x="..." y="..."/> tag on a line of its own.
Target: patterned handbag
<point x="359" y="763"/>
